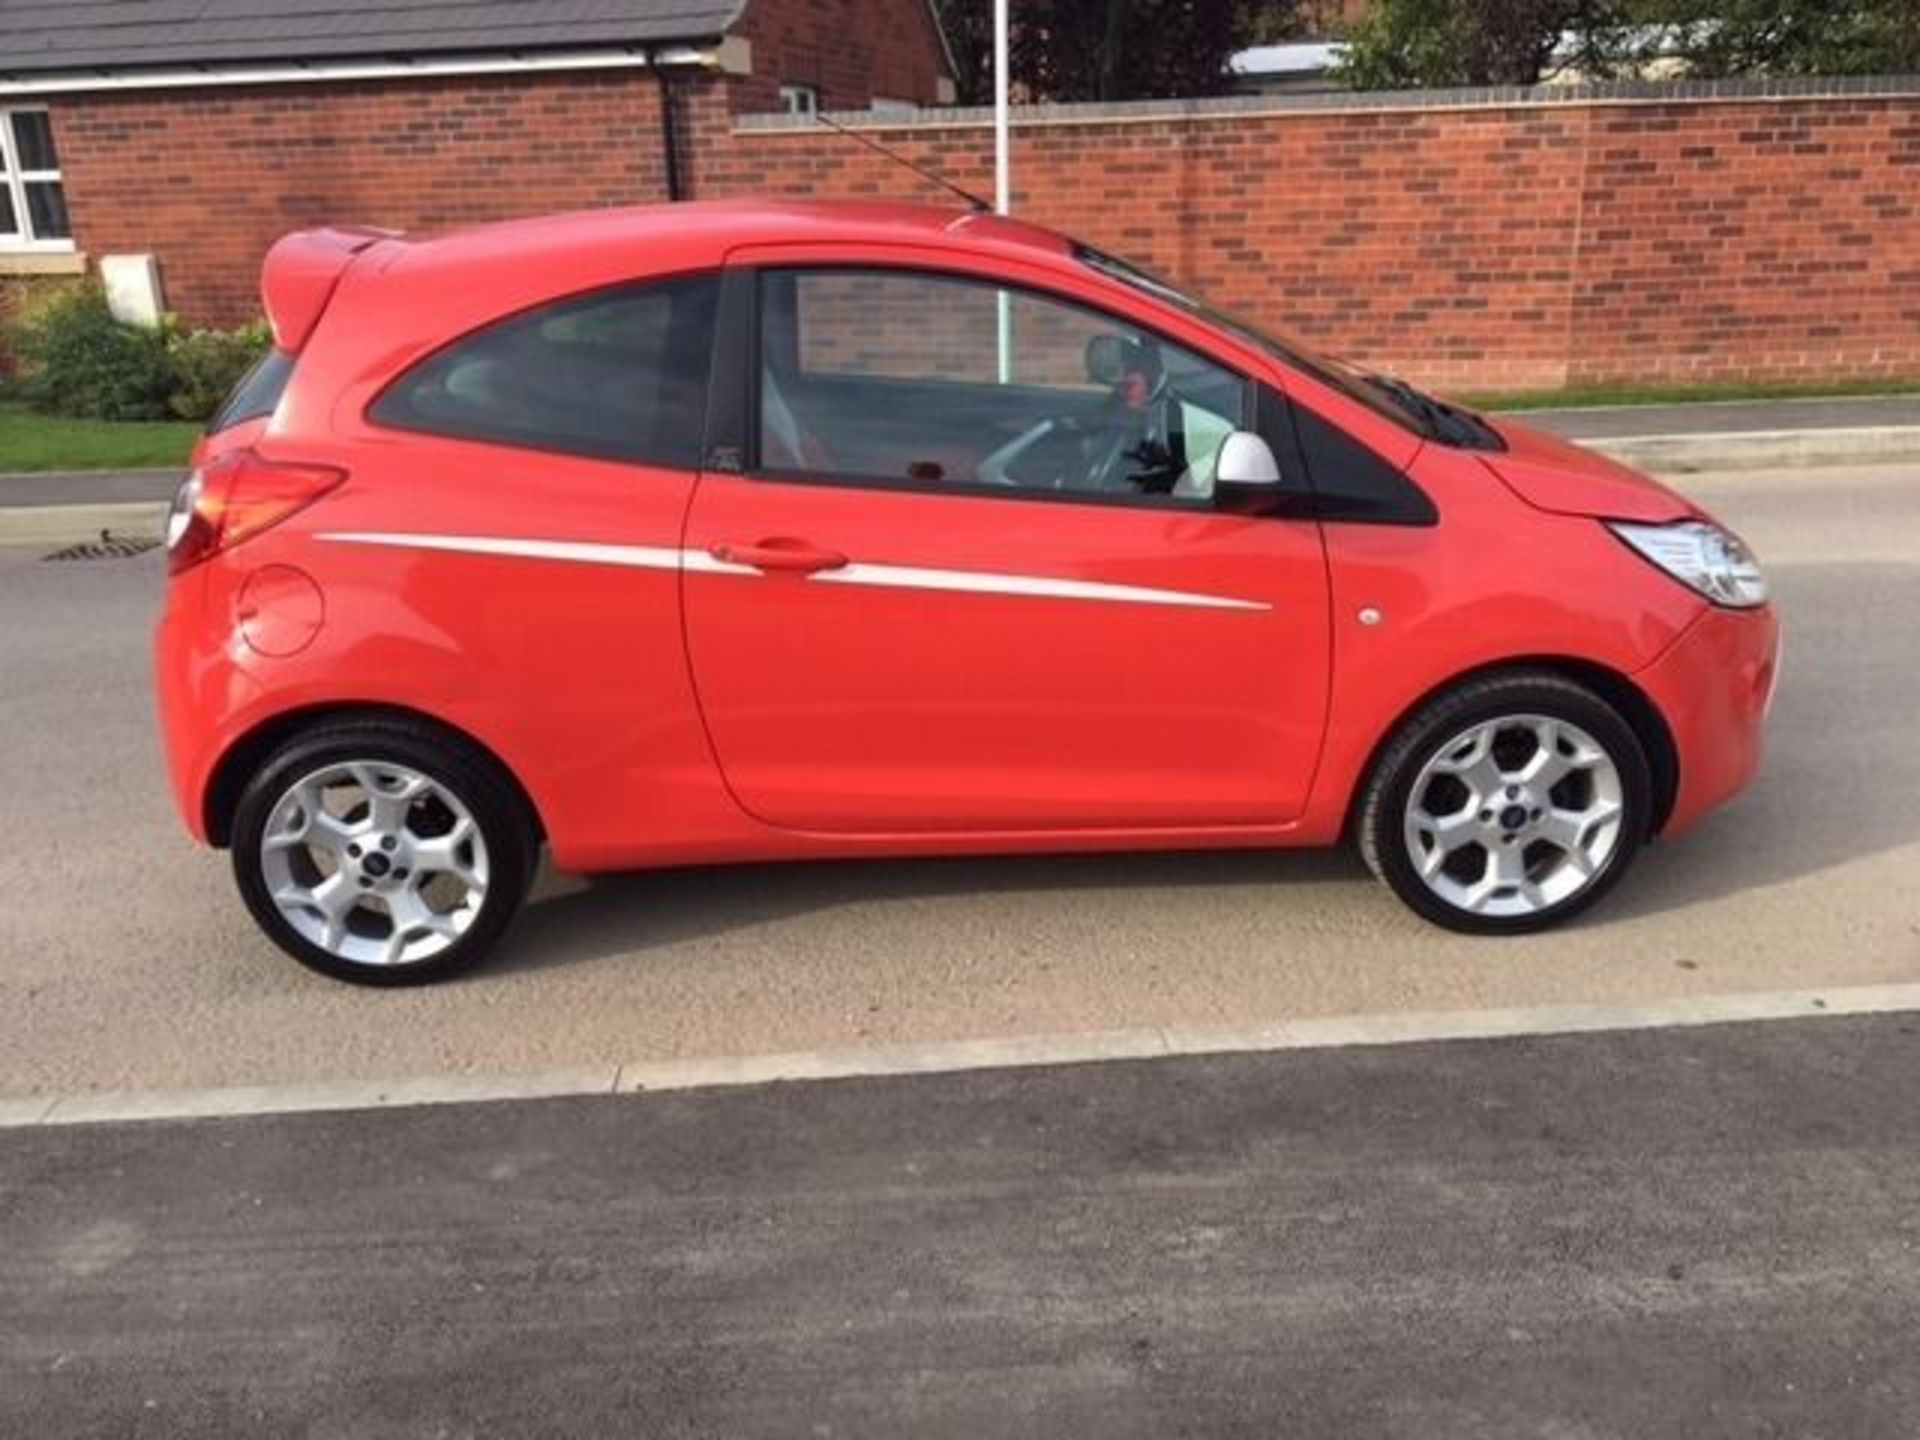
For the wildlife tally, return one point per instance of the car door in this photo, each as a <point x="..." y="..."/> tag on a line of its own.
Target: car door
<point x="923" y="605"/>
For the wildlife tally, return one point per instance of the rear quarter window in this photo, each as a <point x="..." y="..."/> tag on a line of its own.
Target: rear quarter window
<point x="258" y="393"/>
<point x="619" y="374"/>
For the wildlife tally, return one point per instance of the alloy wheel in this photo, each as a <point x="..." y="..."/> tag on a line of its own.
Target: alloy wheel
<point x="1514" y="815"/>
<point x="375" y="863"/>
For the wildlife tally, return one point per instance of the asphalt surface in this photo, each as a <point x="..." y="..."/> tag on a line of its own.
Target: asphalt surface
<point x="1689" y="1234"/>
<point x="127" y="962"/>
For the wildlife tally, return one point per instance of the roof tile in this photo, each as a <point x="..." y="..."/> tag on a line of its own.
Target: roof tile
<point x="43" y="36"/>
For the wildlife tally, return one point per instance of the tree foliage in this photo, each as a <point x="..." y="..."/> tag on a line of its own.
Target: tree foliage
<point x="1404" y="44"/>
<point x="1066" y="50"/>
<point x="1796" y="37"/>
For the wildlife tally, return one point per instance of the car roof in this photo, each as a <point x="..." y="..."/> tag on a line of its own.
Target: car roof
<point x="701" y="231"/>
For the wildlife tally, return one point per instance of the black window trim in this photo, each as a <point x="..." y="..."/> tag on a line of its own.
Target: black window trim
<point x="717" y="273"/>
<point x="755" y="469"/>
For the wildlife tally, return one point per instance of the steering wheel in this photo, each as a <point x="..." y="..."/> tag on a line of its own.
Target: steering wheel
<point x="1133" y="420"/>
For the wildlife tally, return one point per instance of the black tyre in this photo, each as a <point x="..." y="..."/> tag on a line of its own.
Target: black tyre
<point x="1507" y="805"/>
<point x="383" y="851"/>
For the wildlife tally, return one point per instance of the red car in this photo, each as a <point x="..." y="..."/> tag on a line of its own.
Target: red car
<point x="722" y="532"/>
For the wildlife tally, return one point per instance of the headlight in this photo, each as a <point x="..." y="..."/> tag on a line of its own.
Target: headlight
<point x="1701" y="555"/>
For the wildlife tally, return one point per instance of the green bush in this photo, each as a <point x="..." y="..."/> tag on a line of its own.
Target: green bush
<point x="75" y="359"/>
<point x="207" y="364"/>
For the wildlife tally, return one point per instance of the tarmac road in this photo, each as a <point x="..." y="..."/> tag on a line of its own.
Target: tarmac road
<point x="126" y="962"/>
<point x="1687" y="1234"/>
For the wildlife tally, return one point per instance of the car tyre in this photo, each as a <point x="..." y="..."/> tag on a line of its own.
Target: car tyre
<point x="1454" y="778"/>
<point x="408" y="795"/>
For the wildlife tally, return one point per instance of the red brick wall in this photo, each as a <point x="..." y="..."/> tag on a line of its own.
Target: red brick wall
<point x="849" y="50"/>
<point x="1477" y="247"/>
<point x="208" y="180"/>
<point x="1471" y="246"/>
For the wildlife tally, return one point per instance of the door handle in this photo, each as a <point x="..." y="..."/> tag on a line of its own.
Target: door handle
<point x="789" y="555"/>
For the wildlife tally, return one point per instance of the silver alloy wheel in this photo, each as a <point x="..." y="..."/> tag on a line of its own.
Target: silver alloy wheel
<point x="1514" y="815"/>
<point x="375" y="863"/>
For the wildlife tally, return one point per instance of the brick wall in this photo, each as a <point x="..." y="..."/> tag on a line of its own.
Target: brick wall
<point x="207" y="180"/>
<point x="1672" y="234"/>
<point x="850" y="51"/>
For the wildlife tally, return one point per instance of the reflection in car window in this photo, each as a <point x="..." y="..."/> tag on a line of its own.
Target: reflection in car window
<point x="941" y="380"/>
<point x="1335" y="374"/>
<point x="620" y="374"/>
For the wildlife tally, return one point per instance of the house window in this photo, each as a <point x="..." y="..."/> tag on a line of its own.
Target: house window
<point x="33" y="203"/>
<point x="799" y="99"/>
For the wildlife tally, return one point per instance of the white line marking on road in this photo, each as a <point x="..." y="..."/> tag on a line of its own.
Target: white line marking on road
<point x="954" y="1057"/>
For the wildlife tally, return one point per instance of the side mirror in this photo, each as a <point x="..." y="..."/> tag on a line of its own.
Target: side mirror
<point x="1246" y="477"/>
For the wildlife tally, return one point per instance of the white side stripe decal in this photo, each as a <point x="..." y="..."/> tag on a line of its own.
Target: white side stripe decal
<point x="643" y="557"/>
<point x="907" y="577"/>
<point x="891" y="577"/>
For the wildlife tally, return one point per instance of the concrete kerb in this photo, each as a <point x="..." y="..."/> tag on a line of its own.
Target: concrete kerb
<point x="957" y="1057"/>
<point x="1761" y="449"/>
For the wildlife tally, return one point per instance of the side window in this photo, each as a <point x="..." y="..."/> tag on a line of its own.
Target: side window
<point x="258" y="393"/>
<point x="940" y="380"/>
<point x="619" y="375"/>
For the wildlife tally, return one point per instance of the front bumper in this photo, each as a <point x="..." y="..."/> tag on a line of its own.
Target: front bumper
<point x="1714" y="686"/>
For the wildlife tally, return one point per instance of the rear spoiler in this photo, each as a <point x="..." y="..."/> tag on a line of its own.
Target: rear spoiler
<point x="299" y="277"/>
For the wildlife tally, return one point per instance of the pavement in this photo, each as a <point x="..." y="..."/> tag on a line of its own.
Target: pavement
<point x="88" y="487"/>
<point x="1731" y="417"/>
<point x="130" y="965"/>
<point x="1688" y="1234"/>
<point x="1680" y="438"/>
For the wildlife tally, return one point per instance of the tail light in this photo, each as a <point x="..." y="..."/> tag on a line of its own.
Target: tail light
<point x="233" y="498"/>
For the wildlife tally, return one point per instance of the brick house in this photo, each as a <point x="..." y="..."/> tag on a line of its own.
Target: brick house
<point x="198" y="131"/>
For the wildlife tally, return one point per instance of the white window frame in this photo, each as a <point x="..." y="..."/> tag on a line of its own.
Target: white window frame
<point x="16" y="180"/>
<point x="800" y="99"/>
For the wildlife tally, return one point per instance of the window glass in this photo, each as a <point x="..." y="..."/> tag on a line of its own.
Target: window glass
<point x="33" y="205"/>
<point x="258" y="393"/>
<point x="33" y="140"/>
<point x="620" y="374"/>
<point x="47" y="209"/>
<point x="897" y="375"/>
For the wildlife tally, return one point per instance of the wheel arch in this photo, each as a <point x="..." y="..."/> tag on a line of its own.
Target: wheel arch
<point x="1617" y="689"/>
<point x="243" y="757"/>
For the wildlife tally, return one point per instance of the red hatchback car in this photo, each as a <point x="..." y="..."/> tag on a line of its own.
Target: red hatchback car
<point x="723" y="532"/>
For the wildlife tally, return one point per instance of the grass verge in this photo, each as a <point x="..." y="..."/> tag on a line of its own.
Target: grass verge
<point x="32" y="442"/>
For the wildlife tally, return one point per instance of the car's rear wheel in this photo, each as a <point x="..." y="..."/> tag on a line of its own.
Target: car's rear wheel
<point x="382" y="852"/>
<point x="1507" y="805"/>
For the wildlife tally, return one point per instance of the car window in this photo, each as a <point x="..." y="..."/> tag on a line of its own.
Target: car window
<point x="620" y="374"/>
<point x="946" y="381"/>
<point x="258" y="393"/>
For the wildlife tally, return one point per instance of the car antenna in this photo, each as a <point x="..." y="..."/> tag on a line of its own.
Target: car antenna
<point x="974" y="202"/>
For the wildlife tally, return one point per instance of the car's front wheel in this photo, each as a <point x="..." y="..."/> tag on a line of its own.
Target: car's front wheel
<point x="382" y="852"/>
<point x="1508" y="804"/>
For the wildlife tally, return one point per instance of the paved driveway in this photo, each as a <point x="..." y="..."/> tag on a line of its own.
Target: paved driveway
<point x="126" y="962"/>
